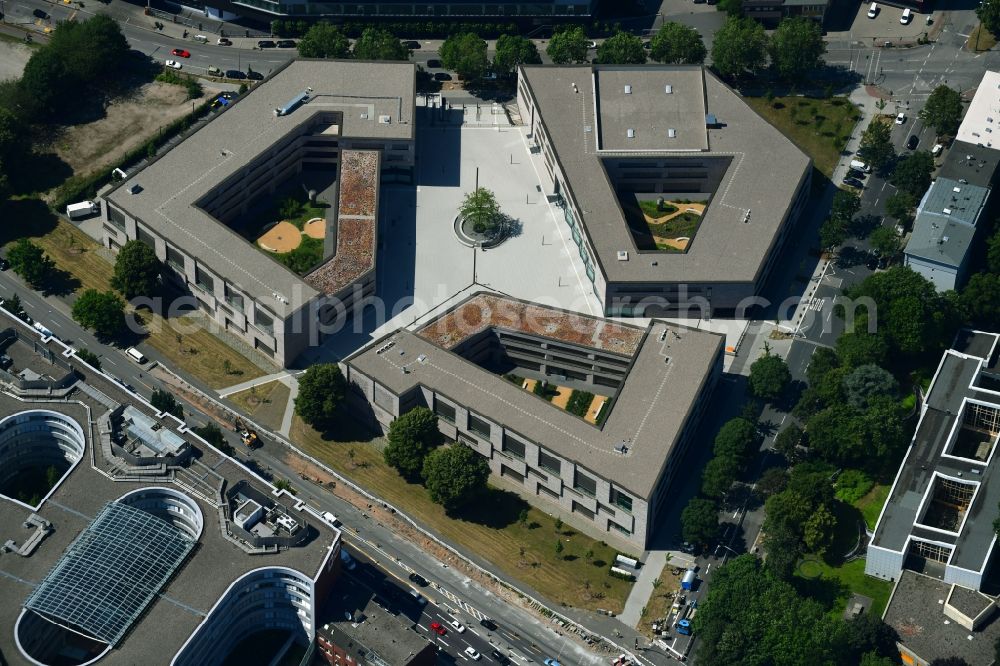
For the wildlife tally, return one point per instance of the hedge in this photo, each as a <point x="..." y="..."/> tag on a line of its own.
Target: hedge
<point x="579" y="403"/>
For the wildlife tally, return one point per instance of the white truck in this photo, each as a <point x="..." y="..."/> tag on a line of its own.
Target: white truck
<point x="82" y="209"/>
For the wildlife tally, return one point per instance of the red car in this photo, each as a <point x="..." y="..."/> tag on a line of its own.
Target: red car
<point x="181" y="53"/>
<point x="438" y="629"/>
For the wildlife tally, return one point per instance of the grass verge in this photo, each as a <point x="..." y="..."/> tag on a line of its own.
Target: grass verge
<point x="980" y="40"/>
<point x="820" y="127"/>
<point x="264" y="404"/>
<point x="491" y="529"/>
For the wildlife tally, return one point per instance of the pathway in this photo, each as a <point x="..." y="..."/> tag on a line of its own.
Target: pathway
<point x="258" y="381"/>
<point x="642" y="590"/>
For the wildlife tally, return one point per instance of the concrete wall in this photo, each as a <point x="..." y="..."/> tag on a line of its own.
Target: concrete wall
<point x="943" y="277"/>
<point x="883" y="563"/>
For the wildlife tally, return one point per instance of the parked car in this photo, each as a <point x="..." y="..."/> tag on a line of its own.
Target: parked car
<point x="550" y="661"/>
<point x="873" y="10"/>
<point x="684" y="627"/>
<point x="438" y="629"/>
<point x="172" y="64"/>
<point x="488" y="623"/>
<point x="255" y="76"/>
<point x="906" y="17"/>
<point x="854" y="182"/>
<point x="4" y="264"/>
<point x="412" y="44"/>
<point x="591" y="45"/>
<point x="235" y="74"/>
<point x="458" y="626"/>
<point x="40" y="13"/>
<point x="214" y="71"/>
<point x="936" y="150"/>
<point x="442" y="76"/>
<point x="417" y="597"/>
<point x="330" y="518"/>
<point x="500" y="657"/>
<point x="222" y="41"/>
<point x="181" y="53"/>
<point x="265" y="44"/>
<point x="419" y="580"/>
<point x="286" y="43"/>
<point x="856" y="173"/>
<point x="900" y="118"/>
<point x="47" y="333"/>
<point x="471" y="653"/>
<point x="912" y="142"/>
<point x="433" y="64"/>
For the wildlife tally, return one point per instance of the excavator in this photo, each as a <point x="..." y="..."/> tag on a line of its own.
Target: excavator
<point x="249" y="437"/>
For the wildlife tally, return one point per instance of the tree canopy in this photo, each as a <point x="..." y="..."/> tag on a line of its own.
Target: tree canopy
<point x="676" y="43"/>
<point x="943" y="110"/>
<point x="137" y="270"/>
<point x="321" y="390"/>
<point x="465" y="53"/>
<point x="900" y="205"/>
<point x="719" y="475"/>
<point x="324" y="40"/>
<point x="993" y="252"/>
<point x="377" y="44"/>
<point x="797" y="47"/>
<point x="876" y="145"/>
<point x="30" y="262"/>
<point x="621" y="48"/>
<point x="480" y="207"/>
<point x="700" y="521"/>
<point x="769" y="376"/>
<point x="104" y="312"/>
<point x="988" y="12"/>
<point x="980" y="300"/>
<point x="411" y="437"/>
<point x="913" y="173"/>
<point x="866" y="382"/>
<point x="568" y="46"/>
<point x="165" y="401"/>
<point x="455" y="475"/>
<point x="514" y="50"/>
<point x="740" y="47"/>
<point x="886" y="241"/>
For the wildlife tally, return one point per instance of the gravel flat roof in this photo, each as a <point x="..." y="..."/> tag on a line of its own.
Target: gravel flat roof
<point x="363" y="91"/>
<point x="763" y="176"/>
<point x="649" y="412"/>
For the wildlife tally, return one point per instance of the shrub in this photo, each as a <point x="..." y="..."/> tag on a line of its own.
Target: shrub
<point x="579" y="403"/>
<point x="852" y="485"/>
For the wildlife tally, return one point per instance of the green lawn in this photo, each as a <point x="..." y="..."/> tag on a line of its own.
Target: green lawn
<point x="265" y="403"/>
<point x="871" y="504"/>
<point x="491" y="529"/>
<point x="833" y="585"/>
<point x="820" y="127"/>
<point x="303" y="258"/>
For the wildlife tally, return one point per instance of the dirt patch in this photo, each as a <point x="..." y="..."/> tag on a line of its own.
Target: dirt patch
<point x="128" y="123"/>
<point x="315" y="228"/>
<point x="696" y="208"/>
<point x="13" y="58"/>
<point x="595" y="408"/>
<point x="561" y="398"/>
<point x="282" y="237"/>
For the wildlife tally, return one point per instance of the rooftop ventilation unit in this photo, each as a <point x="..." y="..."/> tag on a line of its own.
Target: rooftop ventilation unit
<point x="956" y="189"/>
<point x="669" y="89"/>
<point x="628" y="90"/>
<point x="364" y="115"/>
<point x="630" y="133"/>
<point x="944" y="239"/>
<point x="672" y="133"/>
<point x="946" y="211"/>
<point x="746" y="218"/>
<point x="134" y="188"/>
<point x="293" y="103"/>
<point x="622" y="255"/>
<point x="385" y="120"/>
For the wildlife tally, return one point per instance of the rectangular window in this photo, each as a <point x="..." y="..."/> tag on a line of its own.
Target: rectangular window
<point x="621" y="500"/>
<point x="509" y="473"/>
<point x="444" y="410"/>
<point x="233" y="297"/>
<point x="582" y="510"/>
<point x="619" y="528"/>
<point x="513" y="447"/>
<point x="607" y="510"/>
<point x="204" y="280"/>
<point x="116" y="218"/>
<point x="175" y="258"/>
<point x="479" y="426"/>
<point x="542" y="490"/>
<point x="263" y="321"/>
<point x="534" y="472"/>
<point x="144" y="236"/>
<point x="261" y="347"/>
<point x="549" y="463"/>
<point x="584" y="484"/>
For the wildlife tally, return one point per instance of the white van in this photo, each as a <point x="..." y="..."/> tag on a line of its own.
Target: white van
<point x="860" y="166"/>
<point x="135" y="355"/>
<point x="907" y="16"/>
<point x="201" y="38"/>
<point x="873" y="10"/>
<point x="936" y="150"/>
<point x="330" y="518"/>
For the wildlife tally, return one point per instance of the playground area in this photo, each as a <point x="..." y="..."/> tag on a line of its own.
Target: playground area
<point x="671" y="223"/>
<point x="285" y="236"/>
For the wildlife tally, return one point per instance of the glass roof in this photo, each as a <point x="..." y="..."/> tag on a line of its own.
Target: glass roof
<point x="111" y="572"/>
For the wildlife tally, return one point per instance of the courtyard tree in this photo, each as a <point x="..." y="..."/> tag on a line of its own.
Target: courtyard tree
<point x="885" y="241"/>
<point x="30" y="262"/>
<point x="913" y="173"/>
<point x="465" y="53"/>
<point x="321" y="390"/>
<point x="943" y="110"/>
<point x="900" y="205"/>
<point x="480" y="207"/>
<point x="700" y="521"/>
<point x="324" y="40"/>
<point x="876" y="144"/>
<point x="165" y="401"/>
<point x="102" y="311"/>
<point x="867" y="381"/>
<point x="621" y="48"/>
<point x="377" y="44"/>
<point x="769" y="376"/>
<point x="569" y="46"/>
<point x="797" y="47"/>
<point x="818" y="530"/>
<point x="514" y="50"/>
<point x="740" y="47"/>
<point x="137" y="270"/>
<point x="455" y="475"/>
<point x="411" y="437"/>
<point x="677" y="44"/>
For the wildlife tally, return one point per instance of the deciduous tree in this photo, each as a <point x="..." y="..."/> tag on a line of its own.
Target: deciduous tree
<point x="165" y="401"/>
<point x="465" y="53"/>
<point x="137" y="270"/>
<point x="568" y="46"/>
<point x="797" y="47"/>
<point x="913" y="173"/>
<point x="740" y="47"/>
<point x="886" y="241"/>
<point x="900" y="205"/>
<point x="700" y="521"/>
<point x="867" y="381"/>
<point x="30" y="262"/>
<point x="321" y="390"/>
<point x="621" y="48"/>
<point x="514" y="50"/>
<point x="769" y="376"/>
<point x="988" y="12"/>
<point x="980" y="300"/>
<point x="876" y="144"/>
<point x="455" y="475"/>
<point x="719" y="475"/>
<point x="480" y="207"/>
<point x="818" y="530"/>
<point x="943" y="110"/>
<point x="676" y="43"/>
<point x="324" y="40"/>
<point x="411" y="437"/>
<point x="377" y="44"/>
<point x="104" y="312"/>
